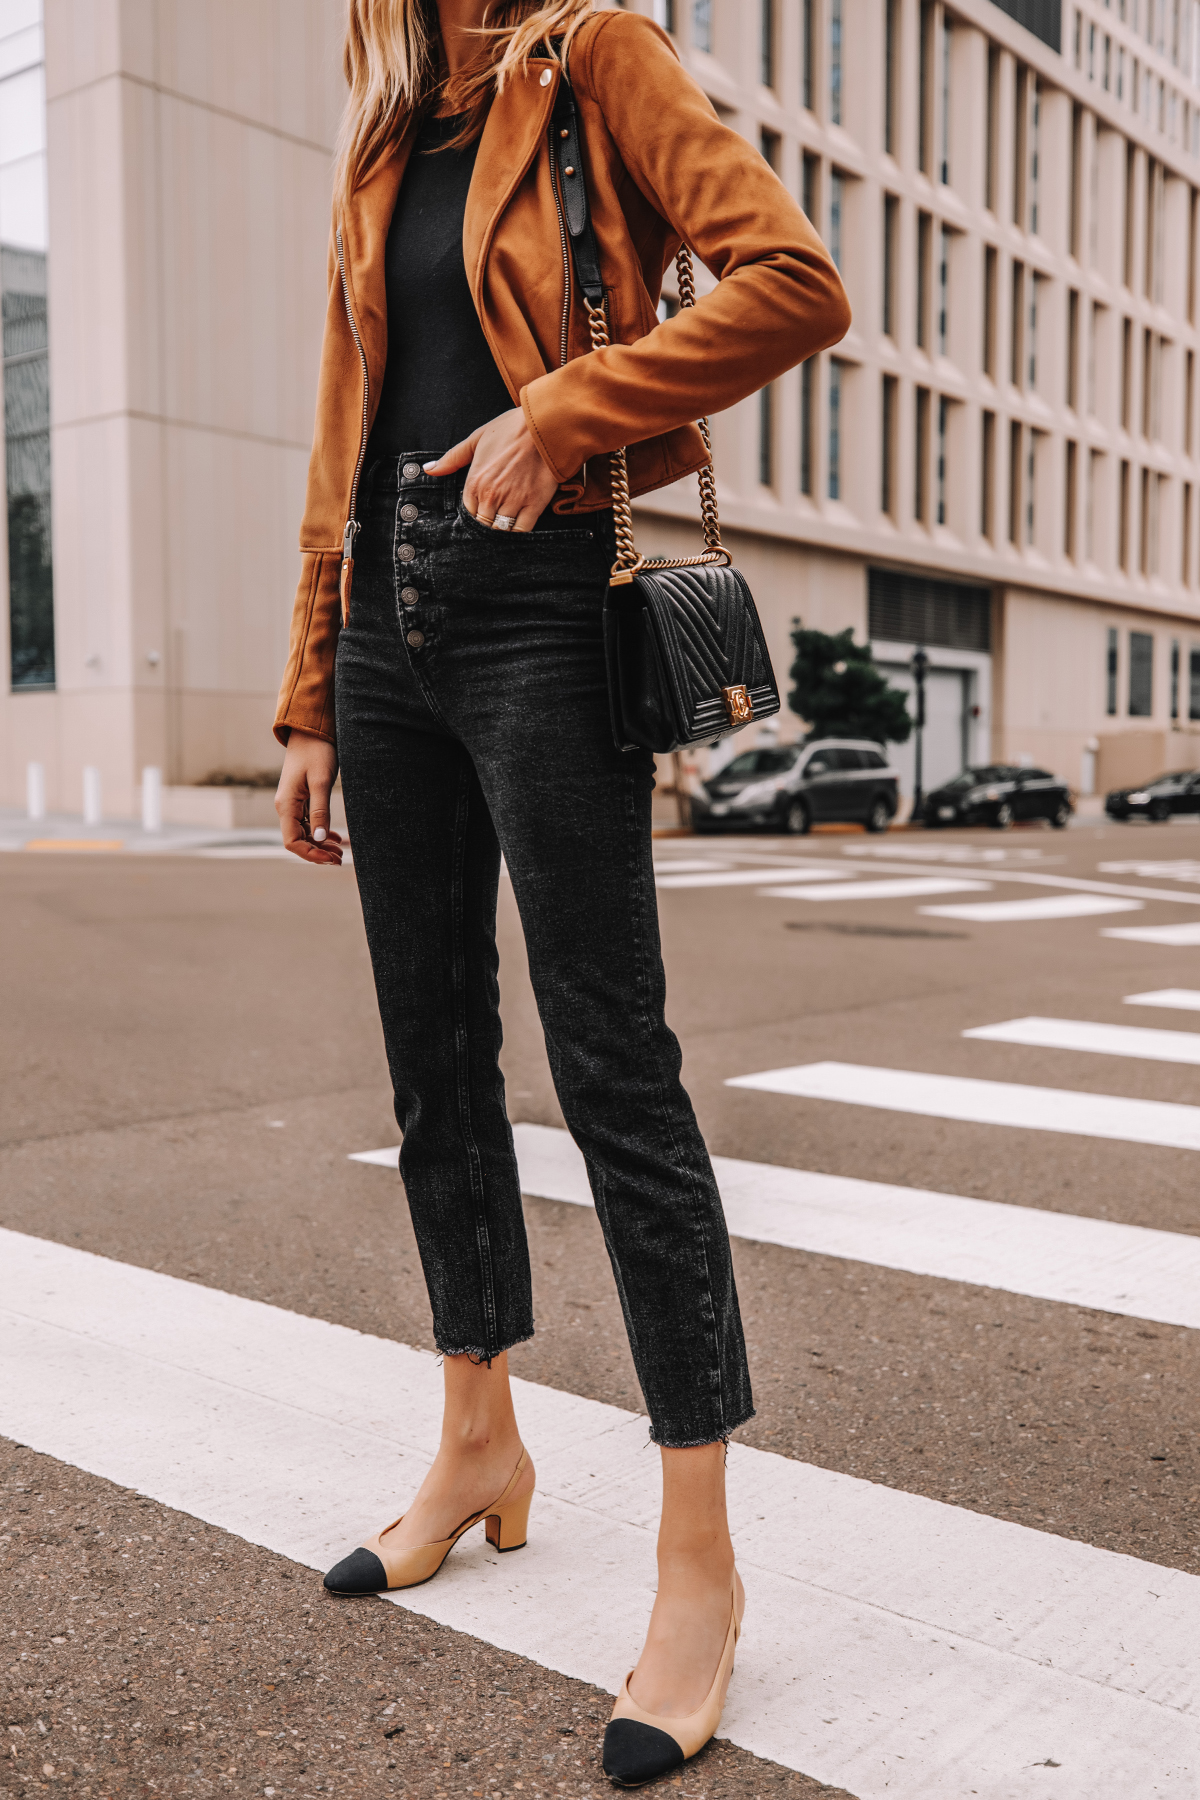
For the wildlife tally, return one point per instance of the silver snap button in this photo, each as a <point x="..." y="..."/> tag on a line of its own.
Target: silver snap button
<point x="416" y="639"/>
<point x="408" y="512"/>
<point x="409" y="596"/>
<point x="546" y="77"/>
<point x="411" y="471"/>
<point x="407" y="552"/>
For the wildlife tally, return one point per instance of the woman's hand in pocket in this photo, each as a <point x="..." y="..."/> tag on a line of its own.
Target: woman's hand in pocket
<point x="508" y="478"/>
<point x="302" y="798"/>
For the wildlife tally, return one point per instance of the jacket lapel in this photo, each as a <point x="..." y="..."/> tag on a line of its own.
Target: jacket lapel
<point x="518" y="119"/>
<point x="364" y="224"/>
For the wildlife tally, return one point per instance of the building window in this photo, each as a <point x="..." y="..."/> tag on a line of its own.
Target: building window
<point x="924" y="254"/>
<point x="1124" y="501"/>
<point x="993" y="125"/>
<point x="891" y="221"/>
<point x="1035" y="159"/>
<point x="990" y="263"/>
<point x="1147" y="384"/>
<point x="767" y="42"/>
<point x="702" y="34"/>
<point x="942" y="417"/>
<point x="1193" y="199"/>
<point x="925" y="49"/>
<point x="806" y="425"/>
<point x="1110" y="674"/>
<point x="1014" y="482"/>
<point x="1174" y="679"/>
<point x="921" y="469"/>
<point x="835" y="429"/>
<point x="1145" y="534"/>
<point x="1130" y="168"/>
<point x="1075" y="197"/>
<point x="1185" y="548"/>
<point x="1020" y="145"/>
<point x="1031" y="486"/>
<point x="837" y="194"/>
<point x="987" y="478"/>
<point x="1072" y="499"/>
<point x="26" y="370"/>
<point x="766" y="436"/>
<point x="947" y="35"/>
<point x="1107" y="77"/>
<point x="1126" y="371"/>
<point x="769" y="144"/>
<point x="806" y="83"/>
<point x="1095" y="458"/>
<point x="1072" y="347"/>
<point x="1017" y="322"/>
<point x="1141" y="675"/>
<point x="1194" y="684"/>
<point x="835" y="62"/>
<point x="943" y="291"/>
<point x="887" y="465"/>
<point x="810" y="180"/>
<point x="664" y="14"/>
<point x="890" y="75"/>
<point x="1035" y="281"/>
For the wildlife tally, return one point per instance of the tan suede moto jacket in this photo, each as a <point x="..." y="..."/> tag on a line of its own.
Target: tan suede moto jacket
<point x="660" y="168"/>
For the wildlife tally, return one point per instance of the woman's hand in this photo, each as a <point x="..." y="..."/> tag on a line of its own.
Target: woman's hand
<point x="508" y="478"/>
<point x="302" y="798"/>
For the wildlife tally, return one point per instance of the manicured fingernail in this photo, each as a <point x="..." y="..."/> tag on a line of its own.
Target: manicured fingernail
<point x="320" y="834"/>
<point x="431" y="465"/>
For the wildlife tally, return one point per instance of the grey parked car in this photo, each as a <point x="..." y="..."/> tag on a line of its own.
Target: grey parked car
<point x="791" y="787"/>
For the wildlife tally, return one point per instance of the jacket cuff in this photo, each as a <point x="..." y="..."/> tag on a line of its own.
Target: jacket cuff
<point x="306" y="698"/>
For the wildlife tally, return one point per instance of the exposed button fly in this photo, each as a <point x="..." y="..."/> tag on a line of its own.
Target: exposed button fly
<point x="409" y="596"/>
<point x="416" y="639"/>
<point x="407" y="552"/>
<point x="411" y="471"/>
<point x="408" y="512"/>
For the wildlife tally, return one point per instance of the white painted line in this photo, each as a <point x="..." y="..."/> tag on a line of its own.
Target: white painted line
<point x="1181" y="999"/>
<point x="1051" y="1256"/>
<point x="687" y="865"/>
<point x="987" y="1102"/>
<point x="902" y="888"/>
<point x="894" y="1646"/>
<point x="382" y="1159"/>
<point x="1180" y="937"/>
<point x="744" y="877"/>
<point x="1103" y="1040"/>
<point x="1054" y="906"/>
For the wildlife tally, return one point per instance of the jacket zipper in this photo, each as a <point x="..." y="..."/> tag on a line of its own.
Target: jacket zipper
<point x="351" y="529"/>
<point x="566" y="257"/>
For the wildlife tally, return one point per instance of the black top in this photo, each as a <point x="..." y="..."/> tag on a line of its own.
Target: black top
<point x="441" y="381"/>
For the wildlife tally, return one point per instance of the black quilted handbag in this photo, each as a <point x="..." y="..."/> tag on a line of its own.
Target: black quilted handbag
<point x="687" y="660"/>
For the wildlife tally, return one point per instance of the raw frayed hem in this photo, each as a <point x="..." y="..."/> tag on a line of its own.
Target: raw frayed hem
<point x="484" y="1357"/>
<point x="698" y="1443"/>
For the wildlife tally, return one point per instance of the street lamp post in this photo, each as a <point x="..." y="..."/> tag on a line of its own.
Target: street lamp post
<point x="919" y="667"/>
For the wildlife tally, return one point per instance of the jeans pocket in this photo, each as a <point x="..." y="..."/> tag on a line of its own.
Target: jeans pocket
<point x="547" y="537"/>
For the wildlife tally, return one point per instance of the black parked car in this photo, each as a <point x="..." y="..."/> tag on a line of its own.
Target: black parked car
<point x="790" y="787"/>
<point x="997" y="794"/>
<point x="1178" y="793"/>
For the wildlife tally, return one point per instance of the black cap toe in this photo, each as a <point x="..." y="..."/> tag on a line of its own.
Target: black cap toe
<point x="359" y="1573"/>
<point x="634" y="1752"/>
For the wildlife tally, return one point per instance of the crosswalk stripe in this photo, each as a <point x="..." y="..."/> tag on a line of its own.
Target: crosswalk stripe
<point x="743" y="877"/>
<point x="1102" y="1040"/>
<point x="1051" y="1256"/>
<point x="1180" y="937"/>
<point x="976" y="1102"/>
<point x="1054" y="906"/>
<point x="1182" y="999"/>
<point x="894" y="1645"/>
<point x="902" y="888"/>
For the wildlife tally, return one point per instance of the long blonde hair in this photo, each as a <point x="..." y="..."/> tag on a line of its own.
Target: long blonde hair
<point x="393" y="65"/>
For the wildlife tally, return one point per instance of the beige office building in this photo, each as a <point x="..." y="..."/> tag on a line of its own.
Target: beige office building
<point x="999" y="462"/>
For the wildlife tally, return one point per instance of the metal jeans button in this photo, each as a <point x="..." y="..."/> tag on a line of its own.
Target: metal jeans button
<point x="408" y="512"/>
<point x="407" y="552"/>
<point x="411" y="471"/>
<point x="409" y="596"/>
<point x="416" y="639"/>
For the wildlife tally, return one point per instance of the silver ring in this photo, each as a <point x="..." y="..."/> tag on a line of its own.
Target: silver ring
<point x="503" y="522"/>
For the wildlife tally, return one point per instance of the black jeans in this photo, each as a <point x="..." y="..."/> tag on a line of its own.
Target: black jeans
<point x="472" y="717"/>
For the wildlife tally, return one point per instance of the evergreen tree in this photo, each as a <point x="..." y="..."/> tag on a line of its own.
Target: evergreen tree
<point x="839" y="692"/>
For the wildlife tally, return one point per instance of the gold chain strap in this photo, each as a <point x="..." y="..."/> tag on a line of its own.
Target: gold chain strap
<point x="628" y="562"/>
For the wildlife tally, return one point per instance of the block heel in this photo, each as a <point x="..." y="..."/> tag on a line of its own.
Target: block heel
<point x="508" y="1526"/>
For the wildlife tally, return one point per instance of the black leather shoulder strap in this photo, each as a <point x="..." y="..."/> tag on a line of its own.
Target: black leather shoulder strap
<point x="566" y="146"/>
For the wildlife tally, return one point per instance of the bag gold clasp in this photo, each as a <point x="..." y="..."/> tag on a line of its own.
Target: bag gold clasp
<point x="738" y="704"/>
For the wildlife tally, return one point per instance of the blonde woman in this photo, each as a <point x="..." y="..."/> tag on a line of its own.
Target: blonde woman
<point x="446" y="647"/>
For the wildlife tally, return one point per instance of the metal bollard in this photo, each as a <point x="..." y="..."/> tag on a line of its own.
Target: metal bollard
<point x="151" y="799"/>
<point x="35" y="790"/>
<point x="92" y="808"/>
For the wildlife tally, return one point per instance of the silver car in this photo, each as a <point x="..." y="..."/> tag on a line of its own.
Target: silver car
<point x="791" y="787"/>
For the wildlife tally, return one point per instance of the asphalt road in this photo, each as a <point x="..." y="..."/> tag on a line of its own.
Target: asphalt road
<point x="188" y="1056"/>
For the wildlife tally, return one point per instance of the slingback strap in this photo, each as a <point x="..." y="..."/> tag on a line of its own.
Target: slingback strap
<point x="566" y="157"/>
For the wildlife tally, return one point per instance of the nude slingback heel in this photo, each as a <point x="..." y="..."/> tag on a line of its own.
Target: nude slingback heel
<point x="638" y="1746"/>
<point x="376" y="1567"/>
